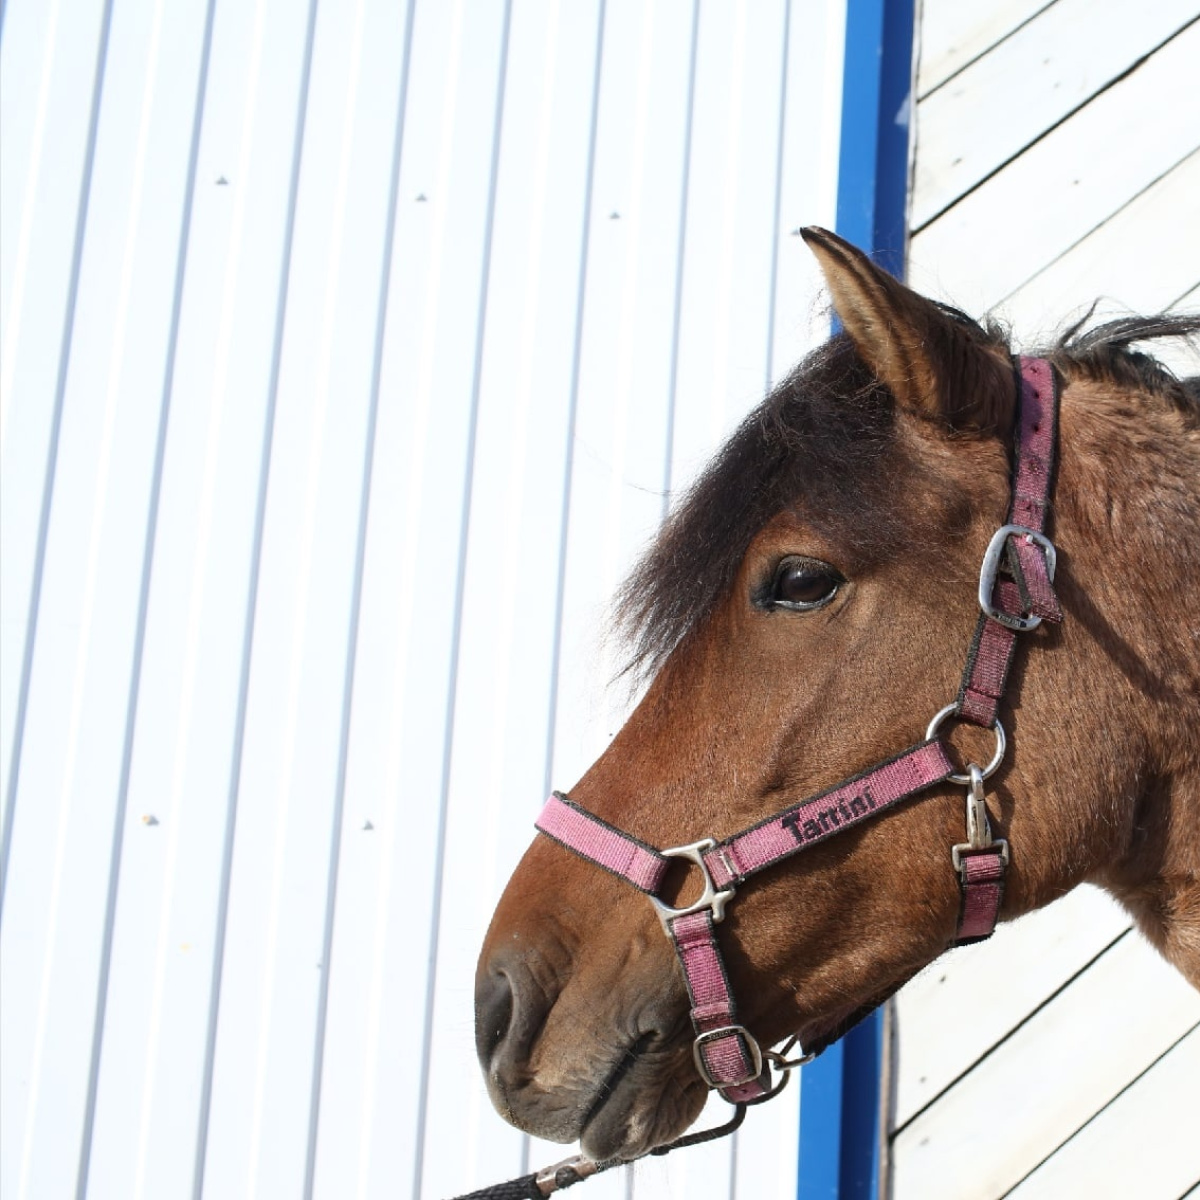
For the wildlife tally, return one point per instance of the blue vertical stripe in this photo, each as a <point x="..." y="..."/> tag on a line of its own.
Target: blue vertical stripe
<point x="858" y="162"/>
<point x="873" y="164"/>
<point x="896" y="104"/>
<point x="819" y="1161"/>
<point x="840" y="1100"/>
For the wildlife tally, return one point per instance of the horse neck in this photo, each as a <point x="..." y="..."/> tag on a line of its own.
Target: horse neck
<point x="1127" y="518"/>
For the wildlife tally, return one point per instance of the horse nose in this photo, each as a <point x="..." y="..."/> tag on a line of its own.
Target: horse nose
<point x="510" y="1010"/>
<point x="493" y="1013"/>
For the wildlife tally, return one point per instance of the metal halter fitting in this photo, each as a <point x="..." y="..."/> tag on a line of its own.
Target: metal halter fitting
<point x="1015" y="596"/>
<point x="979" y="828"/>
<point x="711" y="897"/>
<point x="997" y="548"/>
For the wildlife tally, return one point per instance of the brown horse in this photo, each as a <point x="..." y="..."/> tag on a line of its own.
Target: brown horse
<point x="801" y="616"/>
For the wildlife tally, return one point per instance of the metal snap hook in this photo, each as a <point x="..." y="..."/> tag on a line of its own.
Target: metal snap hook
<point x="979" y="828"/>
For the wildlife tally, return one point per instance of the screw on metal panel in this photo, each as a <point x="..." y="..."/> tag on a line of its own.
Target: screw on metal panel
<point x="614" y="216"/>
<point x="421" y="198"/>
<point x="222" y="182"/>
<point x="368" y="825"/>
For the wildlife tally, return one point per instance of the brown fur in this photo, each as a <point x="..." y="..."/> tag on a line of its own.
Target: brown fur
<point x="886" y="457"/>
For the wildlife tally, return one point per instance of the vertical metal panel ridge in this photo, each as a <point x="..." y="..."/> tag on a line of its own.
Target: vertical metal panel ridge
<point x="60" y="389"/>
<point x="556" y="643"/>
<point x="573" y="405"/>
<point x="210" y="1044"/>
<point x="459" y="589"/>
<point x="135" y="674"/>
<point x="360" y="554"/>
<point x="777" y="215"/>
<point x="677" y="320"/>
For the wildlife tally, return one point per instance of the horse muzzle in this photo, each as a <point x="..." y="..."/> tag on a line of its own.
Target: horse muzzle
<point x="574" y="1063"/>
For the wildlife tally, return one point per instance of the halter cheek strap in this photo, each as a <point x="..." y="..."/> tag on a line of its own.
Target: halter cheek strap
<point x="1009" y="606"/>
<point x="1016" y="594"/>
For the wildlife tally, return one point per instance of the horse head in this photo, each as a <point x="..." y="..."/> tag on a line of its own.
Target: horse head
<point x="802" y="615"/>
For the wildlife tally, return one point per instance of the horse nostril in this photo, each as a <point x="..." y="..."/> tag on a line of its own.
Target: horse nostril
<point x="493" y="1013"/>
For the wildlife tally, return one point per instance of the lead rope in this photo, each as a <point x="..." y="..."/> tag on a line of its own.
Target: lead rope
<point x="573" y="1170"/>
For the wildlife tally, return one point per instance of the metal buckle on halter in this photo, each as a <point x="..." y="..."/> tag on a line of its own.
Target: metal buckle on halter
<point x="756" y="1056"/>
<point x="991" y="565"/>
<point x="979" y="828"/>
<point x="712" y="897"/>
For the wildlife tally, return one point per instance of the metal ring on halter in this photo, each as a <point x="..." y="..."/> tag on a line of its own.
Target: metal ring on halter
<point x="997" y="758"/>
<point x="779" y="1060"/>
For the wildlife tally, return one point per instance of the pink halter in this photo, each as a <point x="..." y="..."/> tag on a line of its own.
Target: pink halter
<point x="727" y="1056"/>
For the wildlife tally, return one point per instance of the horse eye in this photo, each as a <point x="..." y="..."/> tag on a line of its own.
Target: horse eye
<point x="803" y="584"/>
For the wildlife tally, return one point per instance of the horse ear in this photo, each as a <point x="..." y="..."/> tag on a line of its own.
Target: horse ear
<point x="934" y="365"/>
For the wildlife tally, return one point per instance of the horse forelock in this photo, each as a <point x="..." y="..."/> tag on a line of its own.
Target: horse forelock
<point x="817" y="440"/>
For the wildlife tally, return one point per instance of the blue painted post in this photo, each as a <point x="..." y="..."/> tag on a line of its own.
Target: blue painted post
<point x="840" y="1102"/>
<point x="872" y="200"/>
<point x="858" y="162"/>
<point x="820" y="1160"/>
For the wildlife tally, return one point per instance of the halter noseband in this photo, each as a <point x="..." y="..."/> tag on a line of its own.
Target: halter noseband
<point x="727" y="1056"/>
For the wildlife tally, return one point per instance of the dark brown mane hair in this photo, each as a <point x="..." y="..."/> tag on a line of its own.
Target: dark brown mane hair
<point x="815" y="441"/>
<point x="1104" y="353"/>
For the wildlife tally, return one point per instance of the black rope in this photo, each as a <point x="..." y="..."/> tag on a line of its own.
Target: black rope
<point x="525" y="1188"/>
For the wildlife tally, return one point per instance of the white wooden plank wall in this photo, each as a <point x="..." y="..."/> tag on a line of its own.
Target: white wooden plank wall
<point x="1057" y="162"/>
<point x="348" y="351"/>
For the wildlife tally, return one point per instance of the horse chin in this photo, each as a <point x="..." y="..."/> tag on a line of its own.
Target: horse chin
<point x="644" y="1099"/>
<point x="645" y="1103"/>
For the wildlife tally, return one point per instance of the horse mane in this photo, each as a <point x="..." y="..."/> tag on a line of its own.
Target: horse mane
<point x="1105" y="353"/>
<point x="816" y="440"/>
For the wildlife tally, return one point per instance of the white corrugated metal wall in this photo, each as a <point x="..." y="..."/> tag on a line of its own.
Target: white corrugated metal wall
<point x="349" y="349"/>
<point x="1057" y="161"/>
